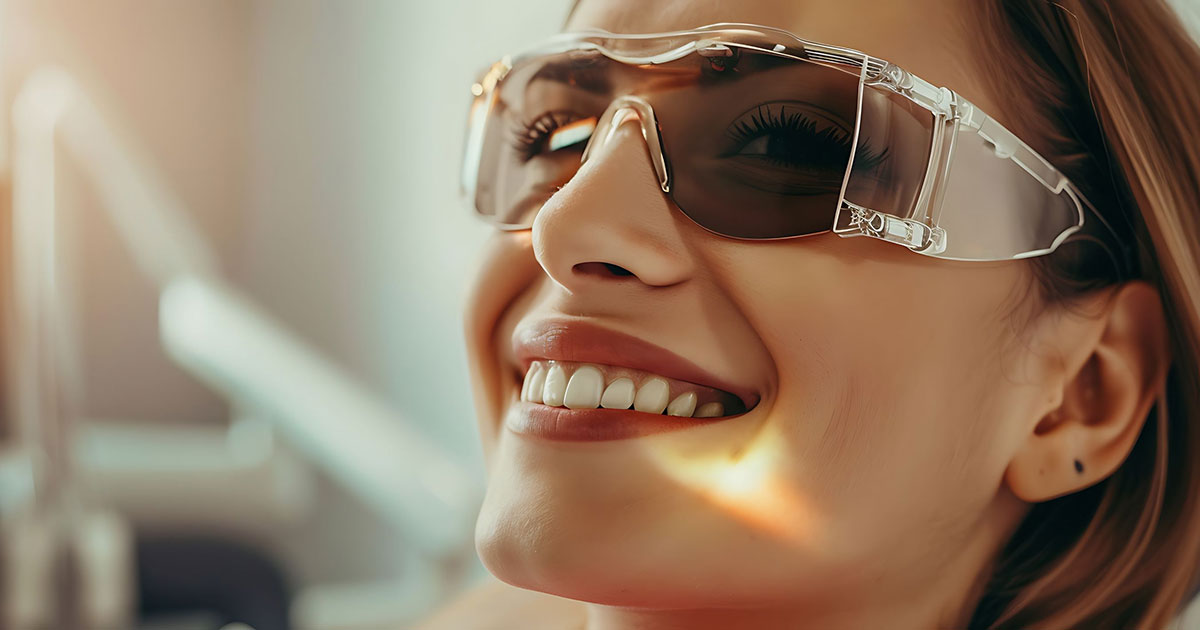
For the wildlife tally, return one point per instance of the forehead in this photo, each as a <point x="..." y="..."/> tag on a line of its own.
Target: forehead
<point x="929" y="38"/>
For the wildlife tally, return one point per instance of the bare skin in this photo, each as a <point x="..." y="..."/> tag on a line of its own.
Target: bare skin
<point x="910" y="412"/>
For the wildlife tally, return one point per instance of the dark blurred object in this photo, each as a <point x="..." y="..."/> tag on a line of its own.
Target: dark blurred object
<point x="212" y="579"/>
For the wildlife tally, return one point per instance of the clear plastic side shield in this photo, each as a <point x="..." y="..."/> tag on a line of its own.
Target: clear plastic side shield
<point x="1002" y="200"/>
<point x="956" y="184"/>
<point x="885" y="191"/>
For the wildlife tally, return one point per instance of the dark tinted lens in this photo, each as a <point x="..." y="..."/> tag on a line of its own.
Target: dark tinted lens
<point x="760" y="144"/>
<point x="537" y="129"/>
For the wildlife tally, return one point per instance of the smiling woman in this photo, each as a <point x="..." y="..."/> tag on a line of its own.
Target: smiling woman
<point x="706" y="402"/>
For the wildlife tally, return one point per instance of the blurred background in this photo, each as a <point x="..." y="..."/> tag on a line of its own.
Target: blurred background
<point x="234" y="259"/>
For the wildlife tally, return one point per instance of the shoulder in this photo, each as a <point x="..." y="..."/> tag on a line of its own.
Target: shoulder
<point x="494" y="605"/>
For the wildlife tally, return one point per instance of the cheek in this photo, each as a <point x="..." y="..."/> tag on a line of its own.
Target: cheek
<point x="505" y="273"/>
<point x="890" y="384"/>
<point x="505" y="268"/>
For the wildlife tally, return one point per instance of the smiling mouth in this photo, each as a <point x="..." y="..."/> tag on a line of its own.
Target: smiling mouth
<point x="575" y="385"/>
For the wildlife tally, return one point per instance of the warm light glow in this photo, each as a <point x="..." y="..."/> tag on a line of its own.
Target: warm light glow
<point x="748" y="487"/>
<point x="744" y="477"/>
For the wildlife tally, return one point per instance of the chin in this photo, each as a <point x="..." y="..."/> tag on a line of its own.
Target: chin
<point x="612" y="542"/>
<point x="537" y="539"/>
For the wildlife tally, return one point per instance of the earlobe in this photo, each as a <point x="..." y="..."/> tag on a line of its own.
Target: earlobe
<point x="1112" y="369"/>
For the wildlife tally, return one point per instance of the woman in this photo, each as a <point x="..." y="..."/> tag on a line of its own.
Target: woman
<point x="705" y="406"/>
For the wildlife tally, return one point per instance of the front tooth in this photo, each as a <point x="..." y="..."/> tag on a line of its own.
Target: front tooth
<point x="535" y="383"/>
<point x="584" y="388"/>
<point x="527" y="386"/>
<point x="710" y="410"/>
<point x="618" y="395"/>
<point x="683" y="405"/>
<point x="652" y="396"/>
<point x="555" y="387"/>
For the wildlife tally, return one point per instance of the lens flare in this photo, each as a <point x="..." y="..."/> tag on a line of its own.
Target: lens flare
<point x="748" y="486"/>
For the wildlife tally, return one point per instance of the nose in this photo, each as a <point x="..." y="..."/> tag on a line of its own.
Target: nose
<point x="612" y="221"/>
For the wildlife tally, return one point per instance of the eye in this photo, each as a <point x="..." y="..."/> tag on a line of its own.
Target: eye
<point x="552" y="131"/>
<point x="784" y="135"/>
<point x="760" y="146"/>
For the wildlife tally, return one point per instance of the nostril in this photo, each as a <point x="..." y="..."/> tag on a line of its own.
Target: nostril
<point x="602" y="269"/>
<point x="617" y="270"/>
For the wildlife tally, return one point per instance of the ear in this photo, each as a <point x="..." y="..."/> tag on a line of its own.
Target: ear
<point x="1106" y="368"/>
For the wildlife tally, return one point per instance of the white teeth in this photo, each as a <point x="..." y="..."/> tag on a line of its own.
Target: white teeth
<point x="549" y="385"/>
<point x="555" y="387"/>
<point x="534" y="379"/>
<point x="652" y="396"/>
<point x="683" y="405"/>
<point x="619" y="394"/>
<point x="584" y="388"/>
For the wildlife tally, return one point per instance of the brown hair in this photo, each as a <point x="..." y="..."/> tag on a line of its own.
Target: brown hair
<point x="1107" y="91"/>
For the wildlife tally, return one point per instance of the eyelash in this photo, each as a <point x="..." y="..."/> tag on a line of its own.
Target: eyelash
<point x="530" y="137"/>
<point x="825" y="142"/>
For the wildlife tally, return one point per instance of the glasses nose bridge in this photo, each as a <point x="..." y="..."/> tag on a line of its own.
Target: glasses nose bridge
<point x="620" y="111"/>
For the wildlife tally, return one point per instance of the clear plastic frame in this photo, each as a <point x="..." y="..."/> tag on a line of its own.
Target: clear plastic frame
<point x="757" y="134"/>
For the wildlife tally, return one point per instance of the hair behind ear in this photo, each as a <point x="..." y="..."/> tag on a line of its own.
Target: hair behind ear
<point x="1108" y="93"/>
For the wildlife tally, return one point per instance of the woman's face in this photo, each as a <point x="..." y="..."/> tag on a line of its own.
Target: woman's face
<point x="887" y="397"/>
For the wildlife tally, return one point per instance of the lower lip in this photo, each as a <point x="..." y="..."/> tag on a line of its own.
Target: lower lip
<point x="593" y="425"/>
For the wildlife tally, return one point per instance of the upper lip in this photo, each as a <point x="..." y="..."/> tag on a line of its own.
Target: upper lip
<point x="563" y="340"/>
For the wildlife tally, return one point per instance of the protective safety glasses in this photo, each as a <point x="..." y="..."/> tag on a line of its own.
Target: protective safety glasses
<point x="757" y="134"/>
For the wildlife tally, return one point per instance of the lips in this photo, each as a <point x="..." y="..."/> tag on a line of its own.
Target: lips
<point x="578" y="341"/>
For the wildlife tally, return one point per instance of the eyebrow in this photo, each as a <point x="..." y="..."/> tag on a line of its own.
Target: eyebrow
<point x="578" y="72"/>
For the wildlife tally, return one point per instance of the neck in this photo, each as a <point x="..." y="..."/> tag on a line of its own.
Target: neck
<point x="939" y="609"/>
<point x="941" y="597"/>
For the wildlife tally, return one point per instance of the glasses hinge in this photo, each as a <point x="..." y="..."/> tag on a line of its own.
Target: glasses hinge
<point x="907" y="232"/>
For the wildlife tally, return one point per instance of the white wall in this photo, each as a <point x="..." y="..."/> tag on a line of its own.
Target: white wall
<point x="354" y="232"/>
<point x="1190" y="10"/>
